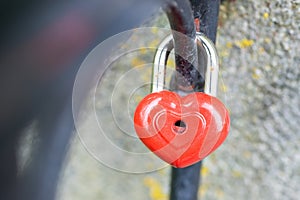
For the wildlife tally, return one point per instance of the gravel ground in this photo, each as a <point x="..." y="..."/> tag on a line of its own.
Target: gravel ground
<point x="258" y="44"/>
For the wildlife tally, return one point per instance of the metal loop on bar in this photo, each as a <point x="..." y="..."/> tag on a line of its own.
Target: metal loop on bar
<point x="162" y="55"/>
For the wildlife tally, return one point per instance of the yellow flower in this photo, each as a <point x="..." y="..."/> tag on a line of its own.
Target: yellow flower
<point x="266" y="15"/>
<point x="244" y="43"/>
<point x="204" y="171"/>
<point x="156" y="192"/>
<point x="229" y="45"/>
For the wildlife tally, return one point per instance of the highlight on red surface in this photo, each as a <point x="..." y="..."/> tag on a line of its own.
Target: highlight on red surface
<point x="181" y="130"/>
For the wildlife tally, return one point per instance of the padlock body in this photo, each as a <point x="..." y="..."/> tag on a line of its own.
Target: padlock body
<point x="181" y="130"/>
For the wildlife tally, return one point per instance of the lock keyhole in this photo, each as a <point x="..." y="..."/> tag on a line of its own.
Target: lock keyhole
<point x="179" y="127"/>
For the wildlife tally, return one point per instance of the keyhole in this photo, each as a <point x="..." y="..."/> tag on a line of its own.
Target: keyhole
<point x="179" y="126"/>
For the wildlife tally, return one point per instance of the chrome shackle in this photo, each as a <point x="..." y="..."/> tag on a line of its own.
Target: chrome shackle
<point x="212" y="64"/>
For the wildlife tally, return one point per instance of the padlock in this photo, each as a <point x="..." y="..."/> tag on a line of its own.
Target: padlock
<point x="207" y="49"/>
<point x="182" y="130"/>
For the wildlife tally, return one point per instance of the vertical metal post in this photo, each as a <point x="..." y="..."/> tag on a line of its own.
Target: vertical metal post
<point x="185" y="181"/>
<point x="188" y="77"/>
<point x="209" y="13"/>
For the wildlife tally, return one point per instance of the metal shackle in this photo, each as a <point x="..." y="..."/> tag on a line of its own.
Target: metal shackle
<point x="163" y="53"/>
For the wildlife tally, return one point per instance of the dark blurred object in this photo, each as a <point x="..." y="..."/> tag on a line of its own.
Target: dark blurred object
<point x="42" y="46"/>
<point x="227" y="0"/>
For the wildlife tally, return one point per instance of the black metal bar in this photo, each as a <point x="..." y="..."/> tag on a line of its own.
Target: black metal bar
<point x="181" y="21"/>
<point x="209" y="13"/>
<point x="185" y="181"/>
<point x="196" y="7"/>
<point x="180" y="14"/>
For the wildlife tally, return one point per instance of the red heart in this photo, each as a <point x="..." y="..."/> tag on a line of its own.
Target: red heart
<point x="181" y="130"/>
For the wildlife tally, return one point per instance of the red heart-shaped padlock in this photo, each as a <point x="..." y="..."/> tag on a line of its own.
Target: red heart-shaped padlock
<point x="181" y="130"/>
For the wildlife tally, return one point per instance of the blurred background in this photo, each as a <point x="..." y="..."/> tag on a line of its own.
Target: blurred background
<point x="258" y="44"/>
